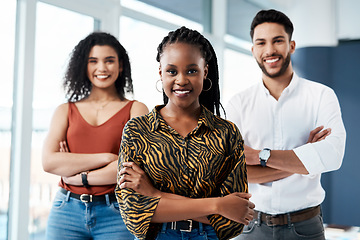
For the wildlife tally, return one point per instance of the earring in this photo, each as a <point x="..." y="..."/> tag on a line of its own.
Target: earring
<point x="205" y="90"/>
<point x="156" y="86"/>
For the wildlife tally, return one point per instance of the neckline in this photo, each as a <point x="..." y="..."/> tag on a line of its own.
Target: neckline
<point x="83" y="119"/>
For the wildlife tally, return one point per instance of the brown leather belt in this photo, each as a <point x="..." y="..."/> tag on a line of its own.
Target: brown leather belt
<point x="283" y="219"/>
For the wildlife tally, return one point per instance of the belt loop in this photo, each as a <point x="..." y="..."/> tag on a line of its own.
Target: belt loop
<point x="107" y="199"/>
<point x="201" y="228"/>
<point x="288" y="220"/>
<point x="67" y="196"/>
<point x="163" y="228"/>
<point x="259" y="219"/>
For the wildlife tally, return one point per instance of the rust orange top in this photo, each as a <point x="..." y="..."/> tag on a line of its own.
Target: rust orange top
<point x="83" y="137"/>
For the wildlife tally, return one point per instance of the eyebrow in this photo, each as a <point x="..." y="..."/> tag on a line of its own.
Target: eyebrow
<point x="190" y="65"/>
<point x="263" y="39"/>
<point x="110" y="57"/>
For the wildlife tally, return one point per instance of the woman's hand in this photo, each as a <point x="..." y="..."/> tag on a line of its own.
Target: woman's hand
<point x="237" y="207"/>
<point x="73" y="180"/>
<point x="63" y="147"/>
<point x="133" y="177"/>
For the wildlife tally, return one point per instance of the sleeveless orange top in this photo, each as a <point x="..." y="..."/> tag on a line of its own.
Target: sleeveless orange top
<point x="85" y="138"/>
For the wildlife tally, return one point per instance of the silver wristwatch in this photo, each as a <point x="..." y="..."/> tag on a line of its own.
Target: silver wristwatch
<point x="264" y="156"/>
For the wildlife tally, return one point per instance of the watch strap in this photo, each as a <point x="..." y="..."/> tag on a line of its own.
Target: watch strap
<point x="262" y="162"/>
<point x="84" y="179"/>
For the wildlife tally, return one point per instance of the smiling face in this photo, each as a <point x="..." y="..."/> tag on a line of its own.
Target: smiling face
<point x="272" y="49"/>
<point x="103" y="66"/>
<point x="182" y="70"/>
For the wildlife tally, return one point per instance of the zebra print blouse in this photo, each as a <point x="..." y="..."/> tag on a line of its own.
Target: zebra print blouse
<point x="208" y="162"/>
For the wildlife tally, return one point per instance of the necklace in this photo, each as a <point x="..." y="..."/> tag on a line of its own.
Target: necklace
<point x="101" y="107"/>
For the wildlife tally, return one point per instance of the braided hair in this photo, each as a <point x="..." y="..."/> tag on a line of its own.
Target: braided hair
<point x="76" y="82"/>
<point x="211" y="98"/>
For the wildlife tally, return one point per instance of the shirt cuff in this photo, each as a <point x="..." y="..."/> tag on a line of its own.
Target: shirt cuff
<point x="310" y="158"/>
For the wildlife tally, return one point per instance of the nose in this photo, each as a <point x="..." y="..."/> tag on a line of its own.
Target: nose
<point x="101" y="66"/>
<point x="181" y="80"/>
<point x="270" y="49"/>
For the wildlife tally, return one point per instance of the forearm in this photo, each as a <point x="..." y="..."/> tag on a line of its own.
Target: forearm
<point x="69" y="164"/>
<point x="286" y="160"/>
<point x="169" y="209"/>
<point x="203" y="219"/>
<point x="103" y="176"/>
<point x="259" y="174"/>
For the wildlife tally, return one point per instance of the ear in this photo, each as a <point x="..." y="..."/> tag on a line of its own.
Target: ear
<point x="160" y="72"/>
<point x="252" y="50"/>
<point x="121" y="68"/>
<point x="206" y="71"/>
<point x="292" y="46"/>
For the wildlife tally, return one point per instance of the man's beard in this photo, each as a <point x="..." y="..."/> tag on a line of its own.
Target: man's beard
<point x="280" y="72"/>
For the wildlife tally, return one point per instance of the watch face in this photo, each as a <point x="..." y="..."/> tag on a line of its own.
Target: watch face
<point x="264" y="154"/>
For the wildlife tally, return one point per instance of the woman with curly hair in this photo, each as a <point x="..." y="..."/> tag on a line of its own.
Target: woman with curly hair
<point x="84" y="139"/>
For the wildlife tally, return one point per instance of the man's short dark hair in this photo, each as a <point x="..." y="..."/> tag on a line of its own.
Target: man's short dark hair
<point x="272" y="16"/>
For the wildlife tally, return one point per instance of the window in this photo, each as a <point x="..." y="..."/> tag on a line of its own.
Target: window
<point x="240" y="72"/>
<point x="57" y="32"/>
<point x="142" y="54"/>
<point x="7" y="48"/>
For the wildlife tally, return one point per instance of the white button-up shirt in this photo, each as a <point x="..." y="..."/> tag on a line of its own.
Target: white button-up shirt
<point x="285" y="124"/>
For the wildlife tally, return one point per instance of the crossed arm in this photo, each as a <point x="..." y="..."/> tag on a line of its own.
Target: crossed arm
<point x="282" y="163"/>
<point x="172" y="207"/>
<point x="57" y="158"/>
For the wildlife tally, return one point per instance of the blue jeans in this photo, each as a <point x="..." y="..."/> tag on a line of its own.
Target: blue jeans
<point x="311" y="229"/>
<point x="205" y="232"/>
<point x="72" y="219"/>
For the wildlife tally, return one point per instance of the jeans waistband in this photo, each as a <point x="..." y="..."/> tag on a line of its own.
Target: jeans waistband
<point x="86" y="198"/>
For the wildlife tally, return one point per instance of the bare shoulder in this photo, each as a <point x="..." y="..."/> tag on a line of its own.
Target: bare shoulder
<point x="62" y="110"/>
<point x="138" y="109"/>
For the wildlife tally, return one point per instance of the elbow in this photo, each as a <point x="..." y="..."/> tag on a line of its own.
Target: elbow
<point x="47" y="167"/>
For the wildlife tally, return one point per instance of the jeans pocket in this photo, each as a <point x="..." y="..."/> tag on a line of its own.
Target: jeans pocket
<point x="249" y="228"/>
<point x="114" y="206"/>
<point x="59" y="201"/>
<point x="310" y="229"/>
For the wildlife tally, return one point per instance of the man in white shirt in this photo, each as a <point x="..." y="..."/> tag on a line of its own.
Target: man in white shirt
<point x="293" y="132"/>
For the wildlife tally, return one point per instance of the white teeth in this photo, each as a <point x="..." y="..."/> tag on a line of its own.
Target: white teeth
<point x="102" y="76"/>
<point x="182" y="92"/>
<point x="272" y="60"/>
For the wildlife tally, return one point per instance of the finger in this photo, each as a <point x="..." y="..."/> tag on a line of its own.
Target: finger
<point x="321" y="134"/>
<point x="65" y="146"/>
<point x="135" y="167"/>
<point x="313" y="132"/>
<point x="244" y="195"/>
<point x="61" y="149"/>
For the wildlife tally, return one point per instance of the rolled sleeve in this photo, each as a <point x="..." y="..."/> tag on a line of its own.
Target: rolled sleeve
<point x="325" y="155"/>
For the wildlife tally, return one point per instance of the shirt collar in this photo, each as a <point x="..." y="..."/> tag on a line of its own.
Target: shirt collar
<point x="206" y="118"/>
<point x="292" y="85"/>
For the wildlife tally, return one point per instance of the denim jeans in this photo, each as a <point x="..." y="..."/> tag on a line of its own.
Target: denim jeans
<point x="72" y="219"/>
<point x="203" y="233"/>
<point x="311" y="229"/>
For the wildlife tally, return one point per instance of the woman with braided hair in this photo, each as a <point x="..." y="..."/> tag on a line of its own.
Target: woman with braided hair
<point x="181" y="172"/>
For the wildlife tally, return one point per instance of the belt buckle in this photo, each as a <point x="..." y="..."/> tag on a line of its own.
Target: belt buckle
<point x="190" y="227"/>
<point x="85" y="198"/>
<point x="269" y="220"/>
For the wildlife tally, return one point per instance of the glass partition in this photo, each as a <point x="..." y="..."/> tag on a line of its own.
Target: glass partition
<point x="7" y="49"/>
<point x="57" y="32"/>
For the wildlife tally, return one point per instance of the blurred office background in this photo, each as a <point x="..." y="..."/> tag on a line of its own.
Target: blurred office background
<point x="37" y="37"/>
